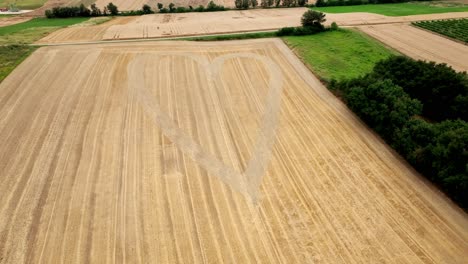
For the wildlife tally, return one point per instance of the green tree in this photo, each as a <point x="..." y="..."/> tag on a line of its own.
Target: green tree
<point x="95" y="11"/>
<point x="313" y="18"/>
<point x="171" y="7"/>
<point x="254" y="3"/>
<point x="146" y="9"/>
<point x="442" y="90"/>
<point x="383" y="105"/>
<point x="112" y="9"/>
<point x="160" y="6"/>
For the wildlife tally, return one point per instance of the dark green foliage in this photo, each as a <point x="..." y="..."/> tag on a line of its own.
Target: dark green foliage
<point x="238" y="4"/>
<point x="113" y="9"/>
<point x="160" y="6"/>
<point x="302" y="2"/>
<point x="146" y="9"/>
<point x="172" y="7"/>
<point x="286" y="31"/>
<point x="200" y="8"/>
<point x="443" y="91"/>
<point x="300" y="31"/>
<point x="382" y="104"/>
<point x="64" y="12"/>
<point x="334" y="26"/>
<point x="312" y="18"/>
<point x="387" y="101"/>
<point x="254" y="3"/>
<point x="214" y="7"/>
<point x="95" y="11"/>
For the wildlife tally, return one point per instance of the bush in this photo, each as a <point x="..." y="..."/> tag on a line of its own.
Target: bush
<point x="286" y="31"/>
<point x="200" y="8"/>
<point x="334" y="26"/>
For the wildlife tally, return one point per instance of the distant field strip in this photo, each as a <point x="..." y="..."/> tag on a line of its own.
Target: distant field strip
<point x="420" y="44"/>
<point x="91" y="172"/>
<point x="454" y="28"/>
<point x="398" y="9"/>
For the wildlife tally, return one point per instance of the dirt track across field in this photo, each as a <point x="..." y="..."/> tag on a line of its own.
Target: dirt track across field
<point x="421" y="44"/>
<point x="191" y="24"/>
<point x="182" y="152"/>
<point x="8" y="21"/>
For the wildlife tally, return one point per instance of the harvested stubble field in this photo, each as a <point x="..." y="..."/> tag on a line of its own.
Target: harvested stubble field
<point x="182" y="152"/>
<point x="192" y="24"/>
<point x="420" y="44"/>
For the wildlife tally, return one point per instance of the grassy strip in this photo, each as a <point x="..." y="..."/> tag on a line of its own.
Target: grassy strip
<point x="232" y="36"/>
<point x="401" y="9"/>
<point x="23" y="4"/>
<point x="34" y="29"/>
<point x="11" y="56"/>
<point x="454" y="28"/>
<point x="340" y="54"/>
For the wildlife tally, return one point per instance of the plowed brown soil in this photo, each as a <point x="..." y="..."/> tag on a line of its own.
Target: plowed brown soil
<point x="421" y="44"/>
<point x="181" y="152"/>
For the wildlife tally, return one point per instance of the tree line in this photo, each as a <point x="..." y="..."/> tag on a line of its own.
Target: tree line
<point x="418" y="108"/>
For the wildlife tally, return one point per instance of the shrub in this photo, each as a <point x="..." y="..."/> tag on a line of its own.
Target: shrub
<point x="181" y="9"/>
<point x="160" y="6"/>
<point x="254" y="3"/>
<point x="333" y="26"/>
<point x="286" y="31"/>
<point x="200" y="8"/>
<point x="302" y="2"/>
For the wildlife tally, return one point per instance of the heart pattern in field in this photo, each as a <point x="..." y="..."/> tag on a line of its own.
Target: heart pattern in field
<point x="206" y="92"/>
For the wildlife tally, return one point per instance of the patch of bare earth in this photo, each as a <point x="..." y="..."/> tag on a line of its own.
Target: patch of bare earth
<point x="8" y="21"/>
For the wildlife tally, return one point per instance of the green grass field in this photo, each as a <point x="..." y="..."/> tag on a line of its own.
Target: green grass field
<point x="23" y="4"/>
<point x="12" y="40"/>
<point x="33" y="30"/>
<point x="338" y="54"/>
<point x="11" y="56"/>
<point x="453" y="28"/>
<point x="401" y="9"/>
